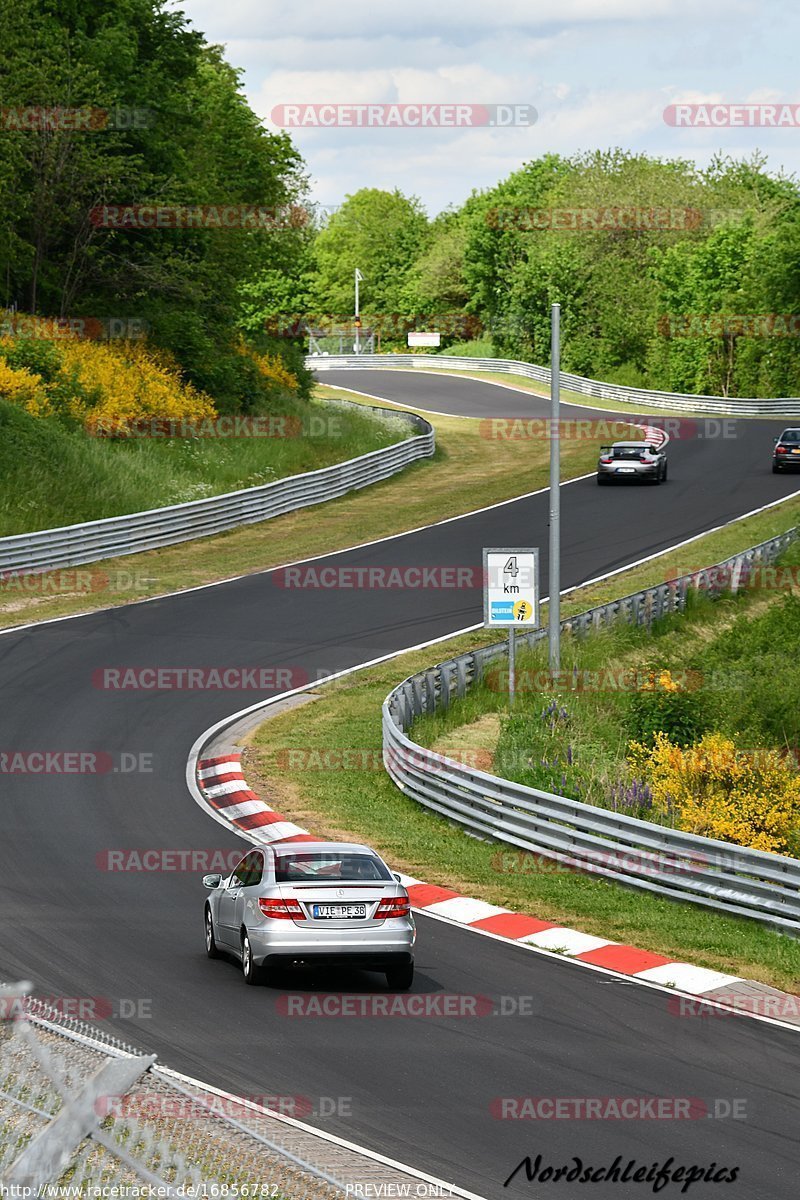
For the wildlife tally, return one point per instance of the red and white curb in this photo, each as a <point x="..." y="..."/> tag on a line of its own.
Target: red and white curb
<point x="653" y="435"/>
<point x="222" y="783"/>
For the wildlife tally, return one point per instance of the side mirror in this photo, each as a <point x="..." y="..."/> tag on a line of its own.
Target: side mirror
<point x="212" y="881"/>
<point x="399" y="878"/>
<point x="776" y="440"/>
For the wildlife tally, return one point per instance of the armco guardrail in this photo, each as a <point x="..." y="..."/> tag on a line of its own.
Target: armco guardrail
<point x="111" y="537"/>
<point x="788" y="406"/>
<point x="683" y="866"/>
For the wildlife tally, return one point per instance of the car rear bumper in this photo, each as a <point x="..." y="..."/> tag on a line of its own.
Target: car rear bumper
<point x="639" y="472"/>
<point x="392" y="944"/>
<point x="786" y="460"/>
<point x="372" y="961"/>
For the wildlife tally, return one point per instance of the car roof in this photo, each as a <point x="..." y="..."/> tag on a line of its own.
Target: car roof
<point x="324" y="848"/>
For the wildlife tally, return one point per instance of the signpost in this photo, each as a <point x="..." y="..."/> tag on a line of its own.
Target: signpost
<point x="554" y="600"/>
<point x="358" y="279"/>
<point x="424" y="337"/>
<point x="511" y="596"/>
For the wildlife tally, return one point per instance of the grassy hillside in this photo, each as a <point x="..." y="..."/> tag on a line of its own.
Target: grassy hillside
<point x="54" y="475"/>
<point x="92" y="429"/>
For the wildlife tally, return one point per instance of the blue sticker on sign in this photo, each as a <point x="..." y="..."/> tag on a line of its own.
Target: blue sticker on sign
<point x="501" y="610"/>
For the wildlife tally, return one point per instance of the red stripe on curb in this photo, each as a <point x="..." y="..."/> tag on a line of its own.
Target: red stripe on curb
<point x="213" y="780"/>
<point x="231" y="798"/>
<point x="511" y="925"/>
<point x="423" y="894"/>
<point x="626" y="959"/>
<point x="213" y="762"/>
<point x="255" y="820"/>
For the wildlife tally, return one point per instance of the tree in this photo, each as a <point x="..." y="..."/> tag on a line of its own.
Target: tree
<point x="180" y="133"/>
<point x="380" y="233"/>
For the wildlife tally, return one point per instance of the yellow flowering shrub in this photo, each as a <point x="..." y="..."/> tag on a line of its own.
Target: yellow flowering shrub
<point x="659" y="681"/>
<point x="272" y="367"/>
<point x="124" y="383"/>
<point x="23" y="387"/>
<point x="751" y="798"/>
<point x="105" y="385"/>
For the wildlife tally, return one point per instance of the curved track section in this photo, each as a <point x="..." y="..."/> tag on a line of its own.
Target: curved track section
<point x="420" y="1089"/>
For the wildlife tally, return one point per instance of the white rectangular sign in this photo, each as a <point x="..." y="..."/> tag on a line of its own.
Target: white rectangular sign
<point x="424" y="339"/>
<point x="511" y="588"/>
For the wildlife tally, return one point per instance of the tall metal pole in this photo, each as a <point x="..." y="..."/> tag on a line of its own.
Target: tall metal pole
<point x="512" y="664"/>
<point x="358" y="324"/>
<point x="554" y="600"/>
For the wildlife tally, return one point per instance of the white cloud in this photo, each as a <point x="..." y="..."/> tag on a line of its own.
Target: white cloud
<point x="455" y="19"/>
<point x="599" y="72"/>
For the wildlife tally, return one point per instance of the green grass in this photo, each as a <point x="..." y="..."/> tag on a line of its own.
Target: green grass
<point x="53" y="475"/>
<point x="469" y="470"/>
<point x="573" y="739"/>
<point x="476" y="348"/>
<point x="362" y="803"/>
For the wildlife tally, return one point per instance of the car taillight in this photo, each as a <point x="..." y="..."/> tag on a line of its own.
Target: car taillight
<point x="781" y="450"/>
<point x="281" y="910"/>
<point x="606" y="460"/>
<point x="393" y="906"/>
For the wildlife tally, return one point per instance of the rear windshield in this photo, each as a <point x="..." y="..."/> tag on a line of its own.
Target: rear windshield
<point x="790" y="435"/>
<point x="630" y="451"/>
<point x="310" y="867"/>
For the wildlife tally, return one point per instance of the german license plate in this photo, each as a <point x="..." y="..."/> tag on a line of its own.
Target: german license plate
<point x="339" y="912"/>
<point x="796" y="452"/>
<point x="626" y="470"/>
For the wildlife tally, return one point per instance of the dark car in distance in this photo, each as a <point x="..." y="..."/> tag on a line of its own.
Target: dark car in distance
<point x="786" y="453"/>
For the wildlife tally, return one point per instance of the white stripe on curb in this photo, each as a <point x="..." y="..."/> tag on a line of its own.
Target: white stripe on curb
<point x="571" y="941"/>
<point x="464" y="909"/>
<point x="687" y="978"/>
<point x="227" y="789"/>
<point x="245" y="809"/>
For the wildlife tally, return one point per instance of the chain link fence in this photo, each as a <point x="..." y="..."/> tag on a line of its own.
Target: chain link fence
<point x="81" y="1109"/>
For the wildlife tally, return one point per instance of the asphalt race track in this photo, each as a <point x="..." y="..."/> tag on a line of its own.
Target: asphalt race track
<point x="417" y="1089"/>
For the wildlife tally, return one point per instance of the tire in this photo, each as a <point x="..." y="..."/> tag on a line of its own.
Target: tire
<point x="602" y="480"/>
<point x="252" y="974"/>
<point x="400" y="979"/>
<point x="664" y="476"/>
<point x="775" y="469"/>
<point x="211" y="949"/>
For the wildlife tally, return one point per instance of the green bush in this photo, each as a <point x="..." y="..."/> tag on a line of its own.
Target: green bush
<point x="477" y="348"/>
<point x="34" y="354"/>
<point x="664" y="706"/>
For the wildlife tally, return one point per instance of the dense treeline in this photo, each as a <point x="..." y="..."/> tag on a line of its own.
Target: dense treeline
<point x="122" y="103"/>
<point x="645" y="256"/>
<point x="659" y="252"/>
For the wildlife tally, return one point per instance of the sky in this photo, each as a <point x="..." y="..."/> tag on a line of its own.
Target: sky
<point x="599" y="74"/>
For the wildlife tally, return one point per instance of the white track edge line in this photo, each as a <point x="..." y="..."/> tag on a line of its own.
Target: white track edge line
<point x="334" y="1138"/>
<point x="388" y="538"/>
<point x="619" y="976"/>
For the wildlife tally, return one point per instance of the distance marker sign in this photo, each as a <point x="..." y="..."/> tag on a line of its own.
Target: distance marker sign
<point x="510" y="588"/>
